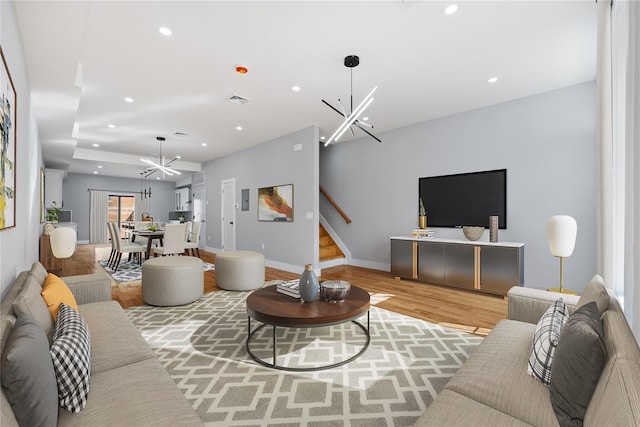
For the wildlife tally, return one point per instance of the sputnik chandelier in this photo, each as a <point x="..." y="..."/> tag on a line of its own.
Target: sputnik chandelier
<point x="162" y="166"/>
<point x="351" y="120"/>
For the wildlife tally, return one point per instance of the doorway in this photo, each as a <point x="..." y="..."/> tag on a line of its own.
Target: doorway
<point x="228" y="214"/>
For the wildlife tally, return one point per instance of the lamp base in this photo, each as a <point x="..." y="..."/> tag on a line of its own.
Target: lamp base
<point x="562" y="291"/>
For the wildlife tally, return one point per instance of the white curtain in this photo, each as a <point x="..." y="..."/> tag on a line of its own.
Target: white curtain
<point x="98" y="207"/>
<point x="604" y="146"/>
<point x="618" y="91"/>
<point x="142" y="205"/>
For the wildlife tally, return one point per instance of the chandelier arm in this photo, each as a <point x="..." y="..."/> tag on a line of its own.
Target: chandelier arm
<point x="333" y="108"/>
<point x="367" y="132"/>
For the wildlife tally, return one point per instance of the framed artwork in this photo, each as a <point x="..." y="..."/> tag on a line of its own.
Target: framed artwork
<point x="275" y="204"/>
<point x="41" y="195"/>
<point x="7" y="148"/>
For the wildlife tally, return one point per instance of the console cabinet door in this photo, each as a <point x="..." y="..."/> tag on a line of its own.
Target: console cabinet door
<point x="431" y="262"/>
<point x="459" y="266"/>
<point x="402" y="258"/>
<point x="500" y="269"/>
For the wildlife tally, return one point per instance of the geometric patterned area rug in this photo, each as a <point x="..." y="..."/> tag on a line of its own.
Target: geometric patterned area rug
<point x="129" y="271"/>
<point x="202" y="347"/>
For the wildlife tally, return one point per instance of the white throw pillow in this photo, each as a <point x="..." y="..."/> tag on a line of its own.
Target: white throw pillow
<point x="545" y="341"/>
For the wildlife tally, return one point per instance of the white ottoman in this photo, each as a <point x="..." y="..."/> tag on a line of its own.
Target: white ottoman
<point x="172" y="280"/>
<point x="239" y="270"/>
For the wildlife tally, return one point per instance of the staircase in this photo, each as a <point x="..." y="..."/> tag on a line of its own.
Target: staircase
<point x="328" y="248"/>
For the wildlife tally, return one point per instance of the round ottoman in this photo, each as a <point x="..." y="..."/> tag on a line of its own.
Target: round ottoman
<point x="172" y="280"/>
<point x="239" y="270"/>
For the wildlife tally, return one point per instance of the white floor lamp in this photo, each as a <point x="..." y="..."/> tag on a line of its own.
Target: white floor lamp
<point x="561" y="236"/>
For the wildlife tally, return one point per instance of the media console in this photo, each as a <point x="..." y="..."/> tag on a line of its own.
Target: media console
<point x="481" y="266"/>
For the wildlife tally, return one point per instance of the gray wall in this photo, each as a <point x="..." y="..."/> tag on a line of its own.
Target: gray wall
<point x="546" y="142"/>
<point x="19" y="245"/>
<point x="75" y="196"/>
<point x="288" y="246"/>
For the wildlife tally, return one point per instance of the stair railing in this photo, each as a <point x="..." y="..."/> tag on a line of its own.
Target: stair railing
<point x="335" y="205"/>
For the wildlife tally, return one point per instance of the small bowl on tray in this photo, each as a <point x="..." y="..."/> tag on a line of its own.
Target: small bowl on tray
<point x="334" y="290"/>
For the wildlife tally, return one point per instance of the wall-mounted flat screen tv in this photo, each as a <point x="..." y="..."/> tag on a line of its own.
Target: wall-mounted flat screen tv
<point x="465" y="199"/>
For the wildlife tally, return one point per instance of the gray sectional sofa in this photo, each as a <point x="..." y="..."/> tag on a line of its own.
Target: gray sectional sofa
<point x="492" y="388"/>
<point x="128" y="385"/>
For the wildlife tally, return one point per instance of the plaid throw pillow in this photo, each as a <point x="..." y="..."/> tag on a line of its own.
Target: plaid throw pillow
<point x="71" y="355"/>
<point x="545" y="341"/>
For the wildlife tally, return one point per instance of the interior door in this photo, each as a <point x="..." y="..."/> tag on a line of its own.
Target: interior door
<point x="199" y="213"/>
<point x="228" y="204"/>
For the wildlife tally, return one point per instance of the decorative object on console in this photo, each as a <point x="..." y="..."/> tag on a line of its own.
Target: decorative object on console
<point x="309" y="286"/>
<point x="472" y="233"/>
<point x="351" y="120"/>
<point x="493" y="228"/>
<point x="561" y="236"/>
<point x="335" y="290"/>
<point x="422" y="212"/>
<point x="48" y="228"/>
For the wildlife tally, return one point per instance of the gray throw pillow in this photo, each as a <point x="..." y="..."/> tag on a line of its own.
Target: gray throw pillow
<point x="28" y="378"/>
<point x="595" y="292"/>
<point x="577" y="365"/>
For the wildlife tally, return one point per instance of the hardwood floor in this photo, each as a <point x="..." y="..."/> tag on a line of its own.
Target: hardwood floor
<point x="469" y="311"/>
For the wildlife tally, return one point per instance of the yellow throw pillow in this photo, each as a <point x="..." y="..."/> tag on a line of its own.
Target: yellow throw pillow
<point x="54" y="292"/>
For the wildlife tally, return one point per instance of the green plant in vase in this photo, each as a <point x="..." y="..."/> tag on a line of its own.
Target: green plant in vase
<point x="52" y="213"/>
<point x="422" y="215"/>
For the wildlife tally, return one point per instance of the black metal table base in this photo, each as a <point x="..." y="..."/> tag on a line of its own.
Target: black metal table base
<point x="274" y="365"/>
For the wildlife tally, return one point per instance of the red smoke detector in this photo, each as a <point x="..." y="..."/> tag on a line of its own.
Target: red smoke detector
<point x="242" y="70"/>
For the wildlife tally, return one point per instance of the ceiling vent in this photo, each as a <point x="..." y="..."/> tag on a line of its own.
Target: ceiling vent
<point x="238" y="99"/>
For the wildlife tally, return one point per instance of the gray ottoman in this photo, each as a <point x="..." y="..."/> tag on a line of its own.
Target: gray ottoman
<point x="172" y="280"/>
<point x="239" y="270"/>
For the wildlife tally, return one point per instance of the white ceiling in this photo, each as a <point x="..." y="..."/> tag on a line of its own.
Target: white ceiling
<point x="425" y="63"/>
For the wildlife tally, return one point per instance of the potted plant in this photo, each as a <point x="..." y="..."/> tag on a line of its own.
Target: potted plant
<point x="52" y="213"/>
<point x="422" y="215"/>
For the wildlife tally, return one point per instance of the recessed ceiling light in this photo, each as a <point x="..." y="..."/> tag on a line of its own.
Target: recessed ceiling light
<point x="128" y="99"/>
<point x="238" y="127"/>
<point x="157" y="177"/>
<point x="365" y="118"/>
<point x="322" y="138"/>
<point x="296" y="88"/>
<point x="451" y="9"/>
<point x="99" y="166"/>
<point x="178" y="157"/>
<point x="111" y="126"/>
<point x="95" y="172"/>
<point x="165" y="31"/>
<point x="493" y="80"/>
<point x="204" y="144"/>
<point x="96" y="145"/>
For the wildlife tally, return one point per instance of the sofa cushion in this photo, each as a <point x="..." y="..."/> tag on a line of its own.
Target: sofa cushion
<point x="545" y="341"/>
<point x="71" y="355"/>
<point x="140" y="394"/>
<point x="453" y="409"/>
<point x="495" y="374"/>
<point x="115" y="341"/>
<point x="29" y="301"/>
<point x="595" y="292"/>
<point x="54" y="292"/>
<point x="39" y="272"/>
<point x="578" y="363"/>
<point x="28" y="377"/>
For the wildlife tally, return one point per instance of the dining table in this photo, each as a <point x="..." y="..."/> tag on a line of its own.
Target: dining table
<point x="150" y="235"/>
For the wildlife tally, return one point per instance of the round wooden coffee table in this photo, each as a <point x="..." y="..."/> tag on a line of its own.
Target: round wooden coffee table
<point x="270" y="307"/>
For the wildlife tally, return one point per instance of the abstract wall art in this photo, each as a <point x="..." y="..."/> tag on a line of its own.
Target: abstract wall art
<point x="275" y="204"/>
<point x="7" y="148"/>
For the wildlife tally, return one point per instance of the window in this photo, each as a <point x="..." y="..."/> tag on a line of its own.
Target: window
<point x="121" y="209"/>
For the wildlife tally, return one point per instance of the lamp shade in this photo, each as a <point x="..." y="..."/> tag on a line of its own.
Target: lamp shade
<point x="561" y="235"/>
<point x="63" y="242"/>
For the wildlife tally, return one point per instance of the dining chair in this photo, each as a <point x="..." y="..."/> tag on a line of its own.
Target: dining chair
<point x="113" y="253"/>
<point x="63" y="243"/>
<point x="172" y="241"/>
<point x="194" y="238"/>
<point x="125" y="247"/>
